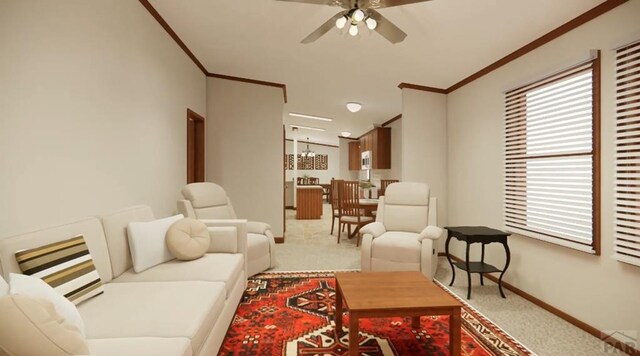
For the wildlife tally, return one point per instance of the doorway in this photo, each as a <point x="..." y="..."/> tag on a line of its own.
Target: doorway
<point x="195" y="147"/>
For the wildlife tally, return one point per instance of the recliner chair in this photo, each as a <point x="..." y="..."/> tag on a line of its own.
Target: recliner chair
<point x="210" y="201"/>
<point x="402" y="237"/>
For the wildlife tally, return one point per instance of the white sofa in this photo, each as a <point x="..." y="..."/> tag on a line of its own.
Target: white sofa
<point x="175" y="308"/>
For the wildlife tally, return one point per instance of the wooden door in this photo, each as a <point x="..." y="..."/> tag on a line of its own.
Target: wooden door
<point x="195" y="147"/>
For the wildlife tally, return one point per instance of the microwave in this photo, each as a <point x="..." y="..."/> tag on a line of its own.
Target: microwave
<point x="366" y="160"/>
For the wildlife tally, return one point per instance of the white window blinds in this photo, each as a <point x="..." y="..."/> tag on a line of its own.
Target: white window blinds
<point x="627" y="195"/>
<point x="549" y="158"/>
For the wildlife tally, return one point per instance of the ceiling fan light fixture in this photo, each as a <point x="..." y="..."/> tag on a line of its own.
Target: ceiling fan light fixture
<point x="358" y="15"/>
<point x="353" y="30"/>
<point x="371" y="23"/>
<point x="341" y="22"/>
<point x="354" y="107"/>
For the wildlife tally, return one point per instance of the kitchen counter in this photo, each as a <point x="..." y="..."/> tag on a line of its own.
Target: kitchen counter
<point x="308" y="202"/>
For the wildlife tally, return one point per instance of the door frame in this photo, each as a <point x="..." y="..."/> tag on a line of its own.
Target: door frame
<point x="195" y="147"/>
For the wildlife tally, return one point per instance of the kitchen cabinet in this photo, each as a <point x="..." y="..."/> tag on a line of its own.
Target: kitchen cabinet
<point x="354" y="155"/>
<point x="378" y="141"/>
<point x="309" y="202"/>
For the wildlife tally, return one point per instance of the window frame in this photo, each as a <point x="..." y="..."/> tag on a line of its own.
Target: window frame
<point x="595" y="246"/>
<point x="627" y="140"/>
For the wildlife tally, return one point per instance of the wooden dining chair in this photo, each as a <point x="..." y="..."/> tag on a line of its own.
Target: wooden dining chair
<point x="350" y="211"/>
<point x="326" y="192"/>
<point x="384" y="183"/>
<point x="335" y="206"/>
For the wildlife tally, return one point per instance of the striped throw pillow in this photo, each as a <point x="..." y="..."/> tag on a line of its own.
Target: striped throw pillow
<point x="66" y="266"/>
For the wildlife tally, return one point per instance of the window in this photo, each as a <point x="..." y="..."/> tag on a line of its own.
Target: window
<point x="627" y="195"/>
<point x="552" y="158"/>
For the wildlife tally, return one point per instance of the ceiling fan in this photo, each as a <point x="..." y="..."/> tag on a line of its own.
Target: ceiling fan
<point x="356" y="12"/>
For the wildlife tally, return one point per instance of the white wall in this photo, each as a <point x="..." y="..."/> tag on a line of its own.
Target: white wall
<point x="245" y="148"/>
<point x="93" y="101"/>
<point x="424" y="143"/>
<point x="325" y="175"/>
<point x="595" y="289"/>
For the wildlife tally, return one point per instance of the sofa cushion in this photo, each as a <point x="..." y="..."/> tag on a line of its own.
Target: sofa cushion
<point x="212" y="267"/>
<point x="136" y="346"/>
<point x="36" y="287"/>
<point x="223" y="239"/>
<point x="66" y="266"/>
<point x="31" y="326"/>
<point x="397" y="246"/>
<point x="115" y="231"/>
<point x="147" y="242"/>
<point x="90" y="228"/>
<point x="188" y="239"/>
<point x="257" y="246"/>
<point x="205" y="194"/>
<point x="406" y="207"/>
<point x="155" y="309"/>
<point x="4" y="287"/>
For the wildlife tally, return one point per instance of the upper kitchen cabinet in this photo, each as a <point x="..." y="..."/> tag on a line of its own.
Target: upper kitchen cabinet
<point x="354" y="155"/>
<point x="378" y="141"/>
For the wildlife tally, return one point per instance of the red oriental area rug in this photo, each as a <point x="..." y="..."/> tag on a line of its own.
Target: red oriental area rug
<point x="293" y="314"/>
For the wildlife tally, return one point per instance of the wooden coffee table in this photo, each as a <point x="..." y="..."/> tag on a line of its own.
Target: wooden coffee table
<point x="387" y="294"/>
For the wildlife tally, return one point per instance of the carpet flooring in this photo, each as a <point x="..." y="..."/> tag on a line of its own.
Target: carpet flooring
<point x="310" y="246"/>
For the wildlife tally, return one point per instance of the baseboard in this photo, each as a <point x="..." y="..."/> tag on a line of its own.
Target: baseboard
<point x="553" y="310"/>
<point x="279" y="239"/>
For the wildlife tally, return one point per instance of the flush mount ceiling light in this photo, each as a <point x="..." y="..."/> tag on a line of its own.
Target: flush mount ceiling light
<point x="321" y="118"/>
<point x="345" y="133"/>
<point x="308" y="128"/>
<point x="354" y="107"/>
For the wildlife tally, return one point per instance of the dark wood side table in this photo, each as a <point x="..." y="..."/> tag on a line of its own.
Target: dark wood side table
<point x="477" y="234"/>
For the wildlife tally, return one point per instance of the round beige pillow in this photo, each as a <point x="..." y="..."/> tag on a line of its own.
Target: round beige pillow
<point x="188" y="239"/>
<point x="31" y="326"/>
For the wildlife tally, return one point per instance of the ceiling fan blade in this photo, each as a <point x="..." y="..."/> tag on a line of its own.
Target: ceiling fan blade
<point x="324" y="28"/>
<point x="379" y="4"/>
<point x="342" y="3"/>
<point x="386" y="28"/>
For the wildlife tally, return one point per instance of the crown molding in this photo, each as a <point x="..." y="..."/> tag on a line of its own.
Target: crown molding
<point x="548" y="37"/>
<point x="576" y="22"/>
<point x="156" y="15"/>
<point x="251" y="81"/>
<point x="421" y="87"/>
<point x="391" y="120"/>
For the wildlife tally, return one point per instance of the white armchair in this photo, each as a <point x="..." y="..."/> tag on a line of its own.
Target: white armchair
<point x="205" y="201"/>
<point x="402" y="237"/>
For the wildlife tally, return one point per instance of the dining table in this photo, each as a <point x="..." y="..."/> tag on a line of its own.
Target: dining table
<point x="368" y="206"/>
